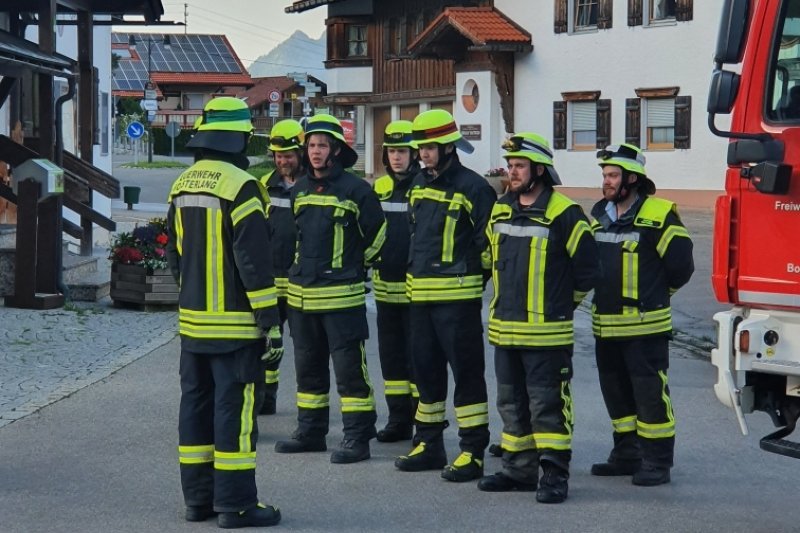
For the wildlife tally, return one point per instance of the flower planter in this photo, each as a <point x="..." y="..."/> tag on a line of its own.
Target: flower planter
<point x="498" y="183"/>
<point x="141" y="285"/>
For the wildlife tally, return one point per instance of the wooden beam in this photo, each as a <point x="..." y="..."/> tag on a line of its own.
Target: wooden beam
<point x="86" y="103"/>
<point x="6" y="84"/>
<point x="47" y="44"/>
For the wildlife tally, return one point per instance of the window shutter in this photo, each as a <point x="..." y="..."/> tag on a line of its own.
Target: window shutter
<point x="559" y="125"/>
<point x="603" y="123"/>
<point x="633" y="123"/>
<point x="634" y="12"/>
<point x="683" y="122"/>
<point x="605" y="14"/>
<point x="660" y="112"/>
<point x="584" y="116"/>
<point x="683" y="10"/>
<point x="560" y="17"/>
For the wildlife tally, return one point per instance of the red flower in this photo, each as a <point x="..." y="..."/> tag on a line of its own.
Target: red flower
<point x="127" y="255"/>
<point x="162" y="239"/>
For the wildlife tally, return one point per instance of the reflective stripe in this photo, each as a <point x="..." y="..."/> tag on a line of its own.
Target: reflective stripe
<point x="512" y="443"/>
<point x="223" y="325"/>
<point x="574" y="240"/>
<point x="396" y="388"/>
<point x="631" y="324"/>
<point x="326" y="298"/>
<point x="430" y="413"/>
<point x="414" y="391"/>
<point x="247" y="418"/>
<point x="234" y="460"/>
<point x="215" y="287"/>
<point x="625" y="424"/>
<point x="264" y="298"/>
<point x="338" y="240"/>
<point x="253" y="205"/>
<point x="458" y="199"/>
<point x="358" y="405"/>
<point x="179" y="231"/>
<point x="372" y="251"/>
<point x="472" y="415"/>
<point x="195" y="455"/>
<point x="774" y="298"/>
<point x="197" y="200"/>
<point x="521" y="231"/>
<point x="535" y="333"/>
<point x="280" y="202"/>
<point x="670" y="233"/>
<point x="272" y="376"/>
<point x="392" y="292"/>
<point x="312" y="401"/>
<point x="663" y="430"/>
<point x="219" y="332"/>
<point x="448" y="237"/>
<point x="394" y="207"/>
<point x="444" y="289"/>
<point x="325" y="201"/>
<point x="281" y="287"/>
<point x="536" y="274"/>
<point x="552" y="441"/>
<point x="630" y="275"/>
<point x="603" y="236"/>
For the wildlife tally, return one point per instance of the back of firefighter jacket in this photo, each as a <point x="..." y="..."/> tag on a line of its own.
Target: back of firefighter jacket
<point x="220" y="255"/>
<point x="282" y="231"/>
<point x="340" y="230"/>
<point x="544" y="261"/>
<point x="645" y="255"/>
<point x="389" y="273"/>
<point x="449" y="214"/>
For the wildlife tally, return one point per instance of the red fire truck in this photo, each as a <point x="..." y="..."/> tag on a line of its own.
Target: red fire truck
<point x="756" y="257"/>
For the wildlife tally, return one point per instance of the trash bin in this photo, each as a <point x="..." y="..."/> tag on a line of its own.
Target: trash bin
<point x="131" y="195"/>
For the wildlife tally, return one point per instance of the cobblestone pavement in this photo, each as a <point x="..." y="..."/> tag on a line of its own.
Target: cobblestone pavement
<point x="48" y="355"/>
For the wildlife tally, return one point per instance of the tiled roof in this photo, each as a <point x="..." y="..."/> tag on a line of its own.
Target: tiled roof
<point x="259" y="93"/>
<point x="304" y="5"/>
<point x="201" y="78"/>
<point x="483" y="26"/>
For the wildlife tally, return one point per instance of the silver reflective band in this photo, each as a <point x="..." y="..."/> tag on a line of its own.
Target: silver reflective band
<point x="616" y="237"/>
<point x="280" y="202"/>
<point x="394" y="207"/>
<point x="522" y="231"/>
<point x="197" y="200"/>
<point x="772" y="298"/>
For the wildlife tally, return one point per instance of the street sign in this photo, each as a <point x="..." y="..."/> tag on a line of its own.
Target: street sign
<point x="274" y="110"/>
<point x="173" y="129"/>
<point x="298" y="76"/>
<point x="135" y="130"/>
<point x="294" y="96"/>
<point x="148" y="105"/>
<point x="151" y="116"/>
<point x="274" y="96"/>
<point x="312" y="88"/>
<point x="150" y="94"/>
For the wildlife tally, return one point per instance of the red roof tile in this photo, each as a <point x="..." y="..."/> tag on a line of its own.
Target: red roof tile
<point x="481" y="25"/>
<point x="259" y="93"/>
<point x="201" y="78"/>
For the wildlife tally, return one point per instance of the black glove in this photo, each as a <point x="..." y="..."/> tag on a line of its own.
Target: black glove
<point x="487" y="275"/>
<point x="274" y="351"/>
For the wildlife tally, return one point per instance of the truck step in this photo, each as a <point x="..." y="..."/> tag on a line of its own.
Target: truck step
<point x="791" y="368"/>
<point x="776" y="444"/>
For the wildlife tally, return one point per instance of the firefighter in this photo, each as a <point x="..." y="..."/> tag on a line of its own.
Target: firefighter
<point x="646" y="255"/>
<point x="544" y="261"/>
<point x="401" y="159"/>
<point x="450" y="206"/>
<point x="218" y="246"/>
<point x="286" y="145"/>
<point x="340" y="229"/>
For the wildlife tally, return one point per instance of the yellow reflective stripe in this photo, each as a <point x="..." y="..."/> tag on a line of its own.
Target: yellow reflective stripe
<point x="224" y="317"/>
<point x="312" y="401"/>
<point x="370" y="254"/>
<point x="666" y="237"/>
<point x="568" y="407"/>
<point x="655" y="431"/>
<point x="448" y="238"/>
<point x="326" y="298"/>
<point x="263" y="298"/>
<point x="396" y="388"/>
<point x="635" y="323"/>
<point x="633" y="318"/>
<point x="272" y="376"/>
<point x="281" y="287"/>
<point x="414" y="391"/>
<point x="215" y="286"/>
<point x="207" y="331"/>
<point x="325" y="201"/>
<point x="430" y="412"/>
<point x="338" y="240"/>
<point x="552" y="441"/>
<point x="357" y="405"/>
<point x="625" y="424"/>
<point x="472" y="415"/>
<point x="365" y="372"/>
<point x="440" y="196"/>
<point x="578" y="230"/>
<point x="178" y="223"/>
<point x="578" y="296"/>
<point x="536" y="268"/>
<point x="234" y="460"/>
<point x="630" y="275"/>
<point x="195" y="455"/>
<point x="513" y="443"/>
<point x="393" y="292"/>
<point x="443" y="289"/>
<point x="533" y="333"/>
<point x="253" y="205"/>
<point x="247" y="417"/>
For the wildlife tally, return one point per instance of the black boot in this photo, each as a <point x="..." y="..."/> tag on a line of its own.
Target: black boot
<point x="616" y="468"/>
<point x="466" y="467"/>
<point x="395" y="432"/>
<point x="269" y="403"/>
<point x="259" y="516"/>
<point x="351" y="451"/>
<point x="300" y="443"/>
<point x="401" y="419"/>
<point x="199" y="513"/>
<point x="495" y="450"/>
<point x="553" y="485"/>
<point x="423" y="457"/>
<point x="650" y="476"/>
<point x="500" y="482"/>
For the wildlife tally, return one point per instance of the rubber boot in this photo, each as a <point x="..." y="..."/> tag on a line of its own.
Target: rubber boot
<point x="258" y="516"/>
<point x="300" y="443"/>
<point x="553" y="485"/>
<point x="466" y="467"/>
<point x="423" y="457"/>
<point x="351" y="451"/>
<point x="401" y="421"/>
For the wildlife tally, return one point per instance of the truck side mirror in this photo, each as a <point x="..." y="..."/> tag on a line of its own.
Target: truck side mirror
<point x="732" y="29"/>
<point x="770" y="177"/>
<point x="723" y="91"/>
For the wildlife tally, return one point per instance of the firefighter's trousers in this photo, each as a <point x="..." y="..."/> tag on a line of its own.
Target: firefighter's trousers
<point x="633" y="379"/>
<point x="442" y="334"/>
<point x="338" y="336"/>
<point x="394" y="349"/>
<point x="272" y="372"/>
<point x="217" y="428"/>
<point x="535" y="403"/>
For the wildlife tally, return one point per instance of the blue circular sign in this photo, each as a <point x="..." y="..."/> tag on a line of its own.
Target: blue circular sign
<point x="135" y="130"/>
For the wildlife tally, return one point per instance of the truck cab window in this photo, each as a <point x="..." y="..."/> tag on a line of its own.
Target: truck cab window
<point x="784" y="98"/>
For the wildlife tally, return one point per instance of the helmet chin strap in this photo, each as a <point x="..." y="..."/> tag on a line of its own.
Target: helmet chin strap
<point x="444" y="157"/>
<point x="624" y="190"/>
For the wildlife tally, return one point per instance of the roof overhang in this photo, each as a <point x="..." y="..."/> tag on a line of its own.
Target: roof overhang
<point x="304" y="5"/>
<point x="18" y="54"/>
<point x="151" y="10"/>
<point x="477" y="29"/>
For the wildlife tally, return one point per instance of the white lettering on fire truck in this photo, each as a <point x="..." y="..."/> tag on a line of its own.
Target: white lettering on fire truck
<point x="791" y="268"/>
<point x="786" y="206"/>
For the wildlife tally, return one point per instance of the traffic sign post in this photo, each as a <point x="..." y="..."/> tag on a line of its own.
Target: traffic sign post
<point x="135" y="131"/>
<point x="172" y="130"/>
<point x="274" y="96"/>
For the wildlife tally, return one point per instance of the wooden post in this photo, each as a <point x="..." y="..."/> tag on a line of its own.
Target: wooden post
<point x="87" y="110"/>
<point x="47" y="44"/>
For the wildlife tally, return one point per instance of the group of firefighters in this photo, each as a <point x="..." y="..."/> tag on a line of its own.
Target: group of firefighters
<point x="298" y="247"/>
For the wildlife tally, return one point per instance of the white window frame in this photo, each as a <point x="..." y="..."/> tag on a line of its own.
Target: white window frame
<point x="580" y="116"/>
<point x="648" y="8"/>
<point x="574" y="6"/>
<point x="658" y="113"/>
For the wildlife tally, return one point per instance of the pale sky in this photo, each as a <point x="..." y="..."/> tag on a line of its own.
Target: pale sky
<point x="253" y="27"/>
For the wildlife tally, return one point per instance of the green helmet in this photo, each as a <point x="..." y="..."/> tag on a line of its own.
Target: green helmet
<point x="630" y="158"/>
<point x="438" y="126"/>
<point x="330" y="125"/>
<point x="225" y="126"/>
<point x="286" y="135"/>
<point x="533" y="147"/>
<point x="398" y="135"/>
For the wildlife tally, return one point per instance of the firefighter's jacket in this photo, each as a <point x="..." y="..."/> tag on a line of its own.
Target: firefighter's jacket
<point x="389" y="273"/>
<point x="340" y="231"/>
<point x="645" y="255"/>
<point x="544" y="261"/>
<point x="219" y="253"/>
<point x="449" y="213"/>
<point x="282" y="231"/>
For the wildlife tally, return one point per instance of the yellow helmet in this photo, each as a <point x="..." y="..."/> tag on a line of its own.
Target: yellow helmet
<point x="286" y="135"/>
<point x="628" y="157"/>
<point x="330" y="125"/>
<point x="398" y="134"/>
<point x="438" y="126"/>
<point x="533" y="147"/>
<point x="225" y="126"/>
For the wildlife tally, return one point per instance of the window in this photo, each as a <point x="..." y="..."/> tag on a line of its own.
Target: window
<point x="660" y="10"/>
<point x="356" y="40"/>
<point x="655" y="12"/>
<point x="659" y="123"/>
<point x="585" y="14"/>
<point x="783" y="101"/>
<point x="659" y="119"/>
<point x="194" y="101"/>
<point x="583" y="125"/>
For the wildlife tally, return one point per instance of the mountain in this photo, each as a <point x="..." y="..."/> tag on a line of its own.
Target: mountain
<point x="298" y="53"/>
